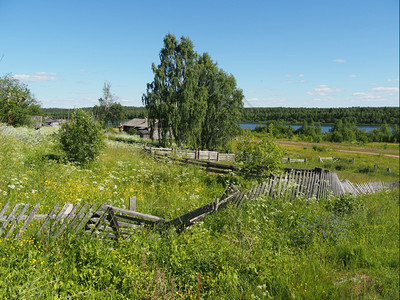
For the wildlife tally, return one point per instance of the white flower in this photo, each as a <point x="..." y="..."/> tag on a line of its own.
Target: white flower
<point x="11" y="186"/>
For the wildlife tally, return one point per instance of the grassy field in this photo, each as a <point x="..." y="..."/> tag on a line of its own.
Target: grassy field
<point x="269" y="248"/>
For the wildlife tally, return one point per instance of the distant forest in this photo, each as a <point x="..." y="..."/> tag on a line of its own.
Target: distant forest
<point x="357" y="115"/>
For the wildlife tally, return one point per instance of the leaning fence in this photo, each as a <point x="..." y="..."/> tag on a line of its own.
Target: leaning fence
<point x="107" y="221"/>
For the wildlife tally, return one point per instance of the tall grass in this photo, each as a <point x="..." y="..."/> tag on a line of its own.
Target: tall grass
<point x="268" y="248"/>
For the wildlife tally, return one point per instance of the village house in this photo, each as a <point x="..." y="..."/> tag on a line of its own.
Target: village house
<point x="140" y="125"/>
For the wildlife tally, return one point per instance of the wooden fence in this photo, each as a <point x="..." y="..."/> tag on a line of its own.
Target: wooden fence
<point x="205" y="155"/>
<point x="107" y="221"/>
<point x="192" y="154"/>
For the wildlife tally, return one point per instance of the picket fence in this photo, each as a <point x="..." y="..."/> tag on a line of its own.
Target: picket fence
<point x="107" y="221"/>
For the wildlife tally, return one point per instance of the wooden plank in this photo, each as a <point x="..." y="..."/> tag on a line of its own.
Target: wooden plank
<point x="134" y="219"/>
<point x="66" y="220"/>
<point x="136" y="214"/>
<point x="17" y="219"/>
<point x="3" y="210"/>
<point x="78" y="216"/>
<point x="55" y="207"/>
<point x="100" y="220"/>
<point x="132" y="203"/>
<point x="10" y="217"/>
<point x="59" y="217"/>
<point x="27" y="221"/>
<point x="87" y="216"/>
<point x="113" y="223"/>
<point x="226" y="200"/>
<point x="185" y="219"/>
<point x="296" y="185"/>
<point x="240" y="199"/>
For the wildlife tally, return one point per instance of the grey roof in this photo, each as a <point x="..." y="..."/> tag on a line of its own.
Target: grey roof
<point x="137" y="123"/>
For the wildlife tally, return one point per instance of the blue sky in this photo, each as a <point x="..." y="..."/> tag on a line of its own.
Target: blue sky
<point x="282" y="53"/>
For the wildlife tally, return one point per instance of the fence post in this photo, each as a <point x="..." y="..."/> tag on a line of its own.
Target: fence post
<point x="132" y="203"/>
<point x="217" y="156"/>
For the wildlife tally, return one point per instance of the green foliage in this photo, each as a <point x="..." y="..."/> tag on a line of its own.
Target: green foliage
<point x="108" y="110"/>
<point x="190" y="99"/>
<point x="292" y="115"/>
<point x="258" y="158"/>
<point x="344" y="204"/>
<point x="81" y="138"/>
<point x="17" y="104"/>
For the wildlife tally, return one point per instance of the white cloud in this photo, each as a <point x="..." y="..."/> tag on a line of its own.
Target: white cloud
<point x="393" y="80"/>
<point x="353" y="76"/>
<point x="323" y="90"/>
<point x="379" y="94"/>
<point x="386" y="89"/>
<point x="301" y="75"/>
<point x="339" y="60"/>
<point x="37" y="77"/>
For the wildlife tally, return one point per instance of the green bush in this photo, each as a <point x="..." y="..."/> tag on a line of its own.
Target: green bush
<point x="81" y="138"/>
<point x="258" y="158"/>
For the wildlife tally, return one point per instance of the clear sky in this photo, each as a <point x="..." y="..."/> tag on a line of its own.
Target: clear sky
<point x="282" y="53"/>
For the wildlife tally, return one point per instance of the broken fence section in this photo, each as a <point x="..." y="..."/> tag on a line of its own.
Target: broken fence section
<point x="108" y="221"/>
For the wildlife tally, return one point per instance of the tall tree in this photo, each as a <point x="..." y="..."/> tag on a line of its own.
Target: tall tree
<point x="224" y="104"/>
<point x="193" y="101"/>
<point x="171" y="97"/>
<point x="108" y="109"/>
<point x="17" y="104"/>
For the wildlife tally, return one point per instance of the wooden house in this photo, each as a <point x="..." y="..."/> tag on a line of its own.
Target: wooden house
<point x="141" y="126"/>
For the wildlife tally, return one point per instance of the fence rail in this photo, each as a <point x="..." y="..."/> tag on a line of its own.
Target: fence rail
<point x="192" y="154"/>
<point x="108" y="221"/>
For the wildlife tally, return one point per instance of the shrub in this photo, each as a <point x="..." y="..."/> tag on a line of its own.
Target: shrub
<point x="258" y="158"/>
<point x="81" y="138"/>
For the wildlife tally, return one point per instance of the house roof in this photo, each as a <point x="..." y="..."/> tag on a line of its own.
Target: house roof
<point x="137" y="123"/>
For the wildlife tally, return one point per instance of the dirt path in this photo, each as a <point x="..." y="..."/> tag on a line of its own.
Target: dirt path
<point x="363" y="150"/>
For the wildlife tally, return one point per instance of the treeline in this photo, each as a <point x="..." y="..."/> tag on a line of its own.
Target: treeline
<point x="341" y="132"/>
<point x="357" y="115"/>
<point x="129" y="112"/>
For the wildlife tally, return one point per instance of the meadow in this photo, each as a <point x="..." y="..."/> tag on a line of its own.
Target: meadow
<point x="343" y="247"/>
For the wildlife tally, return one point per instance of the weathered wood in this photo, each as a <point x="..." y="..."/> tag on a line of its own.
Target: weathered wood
<point x="10" y="217"/>
<point x="27" y="221"/>
<point x="87" y="216"/>
<point x="132" y="203"/>
<point x="78" y="216"/>
<point x="113" y="223"/>
<point x="3" y="210"/>
<point x="185" y="219"/>
<point x="66" y="220"/>
<point x="135" y="214"/>
<point x="47" y="219"/>
<point x="17" y="219"/>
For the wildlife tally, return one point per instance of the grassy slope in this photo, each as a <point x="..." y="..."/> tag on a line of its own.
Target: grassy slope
<point x="338" y="248"/>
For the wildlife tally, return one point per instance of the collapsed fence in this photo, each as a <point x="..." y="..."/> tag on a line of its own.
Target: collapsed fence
<point x="108" y="221"/>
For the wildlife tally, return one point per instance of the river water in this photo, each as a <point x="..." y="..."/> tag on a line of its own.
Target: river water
<point x="324" y="128"/>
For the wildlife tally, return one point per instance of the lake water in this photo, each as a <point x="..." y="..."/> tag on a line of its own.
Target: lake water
<point x="324" y="128"/>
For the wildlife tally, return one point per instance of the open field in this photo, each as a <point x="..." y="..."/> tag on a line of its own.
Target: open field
<point x="370" y="164"/>
<point x="268" y="248"/>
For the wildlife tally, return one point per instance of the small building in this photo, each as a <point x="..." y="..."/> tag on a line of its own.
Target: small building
<point x="51" y="122"/>
<point x="141" y="126"/>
